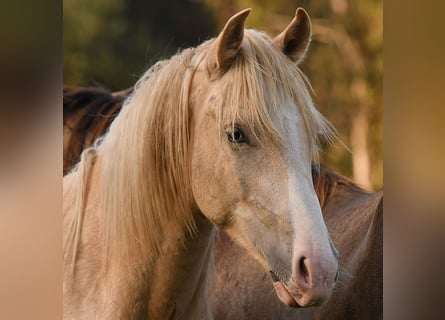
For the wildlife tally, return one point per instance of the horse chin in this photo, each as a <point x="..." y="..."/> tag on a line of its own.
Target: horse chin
<point x="284" y="295"/>
<point x="291" y="295"/>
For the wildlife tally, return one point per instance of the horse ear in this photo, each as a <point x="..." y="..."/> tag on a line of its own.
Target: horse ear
<point x="294" y="40"/>
<point x="228" y="43"/>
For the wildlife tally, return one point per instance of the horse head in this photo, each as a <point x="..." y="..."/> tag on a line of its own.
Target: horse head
<point x="253" y="135"/>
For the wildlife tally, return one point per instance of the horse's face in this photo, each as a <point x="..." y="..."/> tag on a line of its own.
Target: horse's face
<point x="261" y="193"/>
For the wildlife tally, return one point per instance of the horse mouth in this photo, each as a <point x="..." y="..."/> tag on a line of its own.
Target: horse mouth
<point x="283" y="293"/>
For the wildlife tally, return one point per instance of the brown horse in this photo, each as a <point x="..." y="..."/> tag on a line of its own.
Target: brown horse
<point x="87" y="114"/>
<point x="352" y="215"/>
<point x="182" y="157"/>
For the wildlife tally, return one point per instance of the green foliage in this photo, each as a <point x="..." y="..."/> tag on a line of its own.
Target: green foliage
<point x="111" y="42"/>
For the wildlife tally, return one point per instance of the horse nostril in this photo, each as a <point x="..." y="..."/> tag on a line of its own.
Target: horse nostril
<point x="304" y="272"/>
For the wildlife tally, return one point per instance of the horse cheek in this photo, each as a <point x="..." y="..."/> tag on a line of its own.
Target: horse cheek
<point x="206" y="170"/>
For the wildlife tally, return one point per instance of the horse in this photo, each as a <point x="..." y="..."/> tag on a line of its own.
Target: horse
<point x="354" y="218"/>
<point x="181" y="159"/>
<point x="343" y="204"/>
<point x="361" y="292"/>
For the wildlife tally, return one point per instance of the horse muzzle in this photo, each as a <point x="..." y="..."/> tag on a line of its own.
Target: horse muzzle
<point x="309" y="286"/>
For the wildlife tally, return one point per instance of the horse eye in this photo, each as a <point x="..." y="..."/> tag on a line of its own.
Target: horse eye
<point x="236" y="136"/>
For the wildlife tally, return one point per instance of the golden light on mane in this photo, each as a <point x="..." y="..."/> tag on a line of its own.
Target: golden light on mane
<point x="145" y="154"/>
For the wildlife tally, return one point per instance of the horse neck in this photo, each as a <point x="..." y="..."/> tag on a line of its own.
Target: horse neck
<point x="180" y="276"/>
<point x="171" y="285"/>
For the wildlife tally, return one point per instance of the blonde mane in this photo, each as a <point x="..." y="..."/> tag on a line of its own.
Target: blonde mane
<point x="146" y="155"/>
<point x="145" y="168"/>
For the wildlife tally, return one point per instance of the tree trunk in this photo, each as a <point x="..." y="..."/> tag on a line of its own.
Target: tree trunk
<point x="359" y="135"/>
<point x="359" y="145"/>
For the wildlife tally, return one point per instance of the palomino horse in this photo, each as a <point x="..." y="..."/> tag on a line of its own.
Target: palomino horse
<point x="353" y="218"/>
<point x="182" y="157"/>
<point x="352" y="215"/>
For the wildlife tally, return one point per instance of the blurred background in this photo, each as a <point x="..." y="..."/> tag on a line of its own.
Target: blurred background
<point x="110" y="43"/>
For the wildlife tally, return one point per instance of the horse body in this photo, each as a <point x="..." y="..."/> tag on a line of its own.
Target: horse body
<point x="182" y="157"/>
